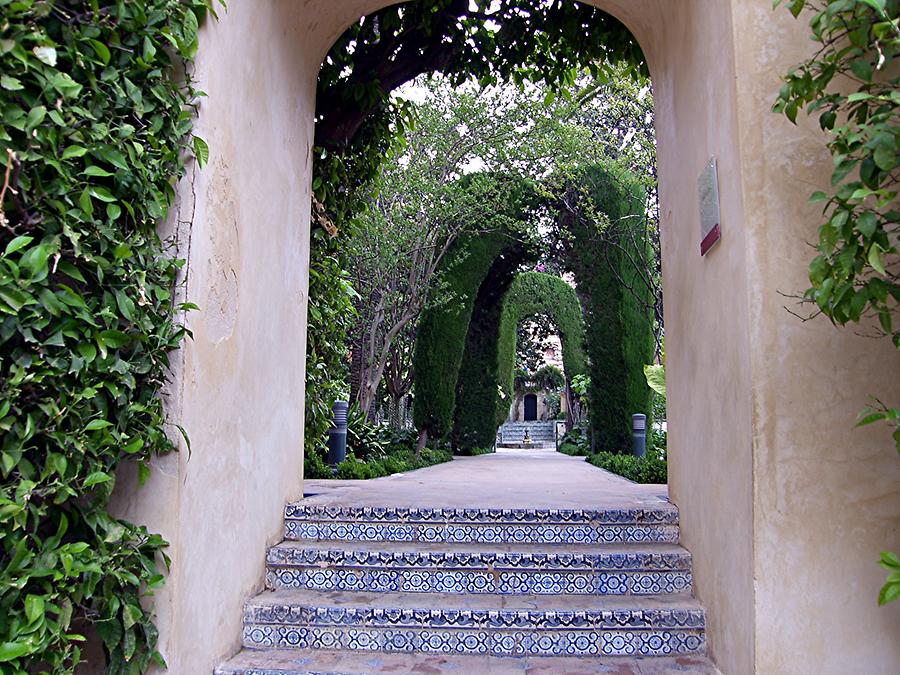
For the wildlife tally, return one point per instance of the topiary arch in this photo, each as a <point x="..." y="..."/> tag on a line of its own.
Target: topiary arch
<point x="530" y="294"/>
<point x="485" y="381"/>
<point x="477" y="264"/>
<point x="464" y="357"/>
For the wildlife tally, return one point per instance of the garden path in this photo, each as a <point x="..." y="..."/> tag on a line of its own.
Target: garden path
<point x="539" y="478"/>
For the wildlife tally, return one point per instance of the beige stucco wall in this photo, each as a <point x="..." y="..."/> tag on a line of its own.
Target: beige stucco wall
<point x="238" y="386"/>
<point x="826" y="495"/>
<point x="784" y="563"/>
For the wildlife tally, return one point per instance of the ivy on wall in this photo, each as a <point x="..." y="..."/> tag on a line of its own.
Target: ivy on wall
<point x="96" y="122"/>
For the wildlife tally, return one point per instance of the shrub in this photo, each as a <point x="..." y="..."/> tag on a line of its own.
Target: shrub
<point x="649" y="469"/>
<point x="573" y="450"/>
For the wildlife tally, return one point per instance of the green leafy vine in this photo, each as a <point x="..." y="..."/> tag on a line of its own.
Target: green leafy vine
<point x="96" y="121"/>
<point x="852" y="84"/>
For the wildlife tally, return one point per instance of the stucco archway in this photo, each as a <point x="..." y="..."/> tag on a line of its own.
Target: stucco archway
<point x="766" y="468"/>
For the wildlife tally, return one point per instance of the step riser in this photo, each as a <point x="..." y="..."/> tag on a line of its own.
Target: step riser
<point x="372" y="515"/>
<point x="494" y="642"/>
<point x="638" y="561"/>
<point x="480" y="534"/>
<point x="466" y="582"/>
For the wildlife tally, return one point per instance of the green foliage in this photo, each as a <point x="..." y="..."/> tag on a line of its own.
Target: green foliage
<point x="852" y="84"/>
<point x="364" y="439"/>
<point x="891" y="589"/>
<point x="649" y="469"/>
<point x="538" y="293"/>
<point x="96" y="123"/>
<point x="398" y="460"/>
<point x="331" y="311"/>
<point x="359" y="122"/>
<point x="656" y="378"/>
<point x="601" y="227"/>
<point x="444" y="328"/>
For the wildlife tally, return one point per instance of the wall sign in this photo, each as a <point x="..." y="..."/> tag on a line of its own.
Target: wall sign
<point x="710" y="223"/>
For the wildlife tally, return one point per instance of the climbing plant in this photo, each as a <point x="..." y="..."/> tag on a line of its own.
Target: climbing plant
<point x="97" y="114"/>
<point x="852" y="84"/>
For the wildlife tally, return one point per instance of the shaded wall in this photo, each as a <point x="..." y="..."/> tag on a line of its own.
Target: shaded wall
<point x="237" y="389"/>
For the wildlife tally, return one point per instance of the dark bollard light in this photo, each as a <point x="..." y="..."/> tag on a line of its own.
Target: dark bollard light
<point x="337" y="435"/>
<point x="639" y="434"/>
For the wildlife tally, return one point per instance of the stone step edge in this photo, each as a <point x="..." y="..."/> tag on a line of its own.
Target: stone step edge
<point x="308" y="662"/>
<point x="402" y="601"/>
<point x="323" y="531"/>
<point x="507" y="583"/>
<point x="647" y="516"/>
<point x="515" y="643"/>
<point x="324" y="558"/>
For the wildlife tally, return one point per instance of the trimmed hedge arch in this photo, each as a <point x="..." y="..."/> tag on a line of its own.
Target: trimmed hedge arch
<point x="464" y="348"/>
<point x="618" y="330"/>
<point x="485" y="380"/>
<point x="534" y="293"/>
<point x="443" y="332"/>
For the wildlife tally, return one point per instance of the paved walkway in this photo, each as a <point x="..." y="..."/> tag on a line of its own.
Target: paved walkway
<point x="535" y="479"/>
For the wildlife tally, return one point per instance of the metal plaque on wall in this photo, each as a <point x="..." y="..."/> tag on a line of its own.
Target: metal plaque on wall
<point x="710" y="224"/>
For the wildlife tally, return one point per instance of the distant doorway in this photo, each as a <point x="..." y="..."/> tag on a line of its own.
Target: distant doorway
<point x="530" y="407"/>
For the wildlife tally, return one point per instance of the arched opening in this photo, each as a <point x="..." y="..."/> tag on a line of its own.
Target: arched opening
<point x="753" y="452"/>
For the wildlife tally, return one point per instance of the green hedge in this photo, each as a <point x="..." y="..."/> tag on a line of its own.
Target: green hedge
<point x="533" y="293"/>
<point x="443" y="330"/>
<point x="618" y="331"/>
<point x="97" y="115"/>
<point x="639" y="469"/>
<point x="477" y="394"/>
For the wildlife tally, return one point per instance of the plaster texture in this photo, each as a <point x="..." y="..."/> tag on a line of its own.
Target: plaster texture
<point x="238" y="386"/>
<point x="783" y="504"/>
<point x="826" y="498"/>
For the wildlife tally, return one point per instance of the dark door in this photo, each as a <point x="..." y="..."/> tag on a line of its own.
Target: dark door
<point x="530" y="407"/>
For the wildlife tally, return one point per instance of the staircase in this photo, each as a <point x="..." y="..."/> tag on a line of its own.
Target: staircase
<point x="364" y="589"/>
<point x="512" y="434"/>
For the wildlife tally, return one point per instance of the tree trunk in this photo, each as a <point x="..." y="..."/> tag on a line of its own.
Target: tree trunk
<point x="420" y="444"/>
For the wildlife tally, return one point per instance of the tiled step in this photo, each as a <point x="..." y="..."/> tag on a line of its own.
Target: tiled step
<point x="475" y="624"/>
<point x="325" y="523"/>
<point x="467" y="568"/>
<point x="316" y="662"/>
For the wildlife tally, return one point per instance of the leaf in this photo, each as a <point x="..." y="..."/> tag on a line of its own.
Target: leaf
<point x="18" y="243"/>
<point x="74" y="151"/>
<point x="35" y="117"/>
<point x="96" y="425"/>
<point x="875" y="259"/>
<point x="10" y="83"/>
<point x="201" y="151"/>
<point x="656" y="378"/>
<point x="102" y="194"/>
<point x="45" y="55"/>
<point x="96" y="478"/>
<point x="13" y="650"/>
<point x="101" y="50"/>
<point x="96" y="171"/>
<point x="34" y="607"/>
